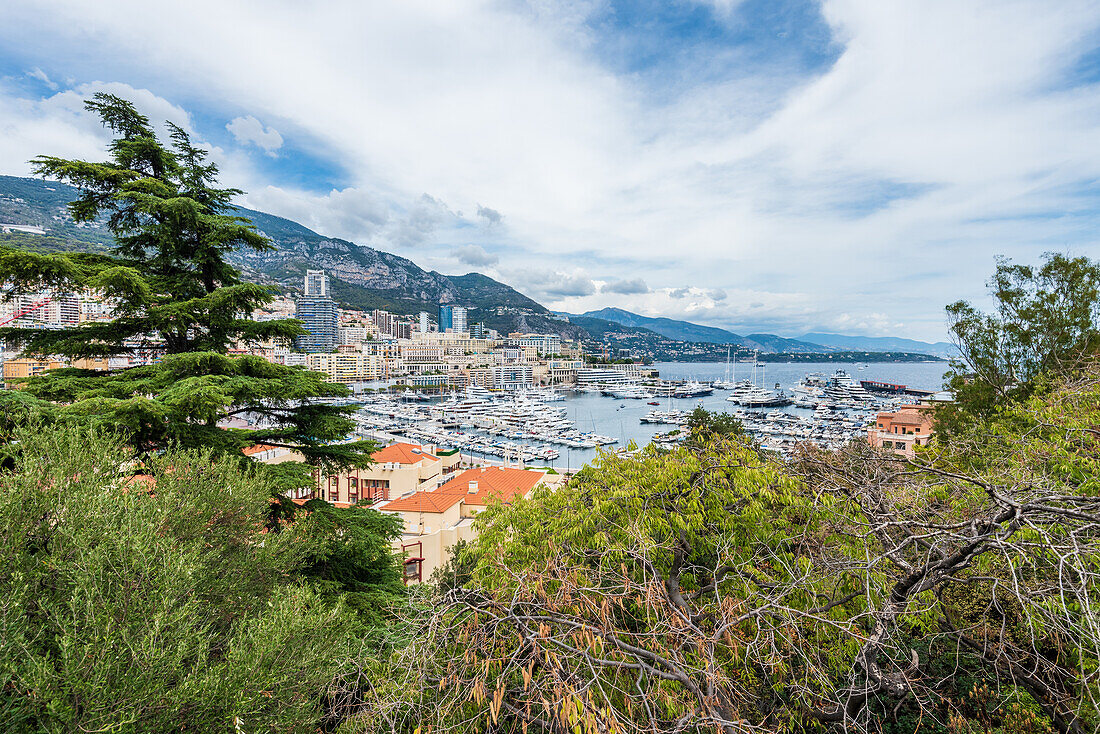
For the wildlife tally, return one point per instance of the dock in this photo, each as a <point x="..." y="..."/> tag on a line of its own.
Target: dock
<point x="894" y="389"/>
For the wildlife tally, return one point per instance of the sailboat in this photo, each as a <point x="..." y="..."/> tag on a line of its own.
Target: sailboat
<point x="751" y="395"/>
<point x="729" y="382"/>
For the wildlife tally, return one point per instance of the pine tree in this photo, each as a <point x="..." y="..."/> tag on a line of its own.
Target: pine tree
<point x="174" y="294"/>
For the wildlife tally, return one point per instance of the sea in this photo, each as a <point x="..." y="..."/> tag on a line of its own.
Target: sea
<point x="621" y="418"/>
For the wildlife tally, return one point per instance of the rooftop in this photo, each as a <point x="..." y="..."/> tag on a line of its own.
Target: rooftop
<point x="493" y="483"/>
<point x="402" y="453"/>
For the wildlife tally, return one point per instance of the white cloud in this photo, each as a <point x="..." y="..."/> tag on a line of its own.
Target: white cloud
<point x="554" y="285"/>
<point x="248" y="129"/>
<point x="627" y="287"/>
<point x="492" y="216"/>
<point x="943" y="134"/>
<point x="37" y="73"/>
<point x="475" y="255"/>
<point x="352" y="214"/>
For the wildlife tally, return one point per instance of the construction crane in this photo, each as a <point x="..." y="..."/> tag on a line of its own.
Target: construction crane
<point x="23" y="312"/>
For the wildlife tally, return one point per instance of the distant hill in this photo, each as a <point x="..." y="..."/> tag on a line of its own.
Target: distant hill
<point x="361" y="277"/>
<point x="687" y="331"/>
<point x="682" y="330"/>
<point x="882" y="344"/>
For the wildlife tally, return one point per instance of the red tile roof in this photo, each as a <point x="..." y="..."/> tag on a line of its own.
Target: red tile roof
<point x="402" y="453"/>
<point x="423" y="502"/>
<point x="256" y="449"/>
<point x="493" y="483"/>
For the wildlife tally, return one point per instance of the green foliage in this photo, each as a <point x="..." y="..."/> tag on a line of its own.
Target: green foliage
<point x="1046" y="320"/>
<point x="617" y="599"/>
<point x="174" y="292"/>
<point x="153" y="605"/>
<point x="706" y="425"/>
<point x="350" y="556"/>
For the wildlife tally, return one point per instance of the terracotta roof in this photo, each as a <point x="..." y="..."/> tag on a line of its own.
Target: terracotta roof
<point x="911" y="420"/>
<point x="402" y="453"/>
<point x="423" y="502"/>
<point x="257" y="449"/>
<point x="493" y="483"/>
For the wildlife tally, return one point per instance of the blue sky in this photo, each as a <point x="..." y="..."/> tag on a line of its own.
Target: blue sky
<point x="760" y="165"/>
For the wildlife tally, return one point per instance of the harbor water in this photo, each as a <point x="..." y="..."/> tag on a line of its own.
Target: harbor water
<point x="621" y="418"/>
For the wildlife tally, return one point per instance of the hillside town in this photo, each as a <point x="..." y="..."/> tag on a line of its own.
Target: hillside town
<point x="426" y="352"/>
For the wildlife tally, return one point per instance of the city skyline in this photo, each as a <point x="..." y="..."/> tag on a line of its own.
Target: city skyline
<point x="780" y="167"/>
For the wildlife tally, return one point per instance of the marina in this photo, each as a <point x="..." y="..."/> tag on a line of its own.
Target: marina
<point x="564" y="428"/>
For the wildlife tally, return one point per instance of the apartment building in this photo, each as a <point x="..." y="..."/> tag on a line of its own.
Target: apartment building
<point x="436" y="520"/>
<point x="399" y="469"/>
<point x="901" y="430"/>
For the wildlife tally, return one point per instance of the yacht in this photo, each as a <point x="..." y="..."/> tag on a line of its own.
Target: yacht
<point x="631" y="392"/>
<point x="759" y="397"/>
<point x="692" y="389"/>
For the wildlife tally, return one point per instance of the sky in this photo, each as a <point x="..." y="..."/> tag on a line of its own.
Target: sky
<point x="848" y="166"/>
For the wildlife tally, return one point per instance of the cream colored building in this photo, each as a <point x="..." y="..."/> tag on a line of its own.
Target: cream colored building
<point x="354" y="367"/>
<point x="22" y="367"/>
<point x="399" y="469"/>
<point x="437" y="519"/>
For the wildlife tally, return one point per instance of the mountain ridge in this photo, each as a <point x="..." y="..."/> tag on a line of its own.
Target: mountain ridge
<point x="881" y="343"/>
<point x="361" y="276"/>
<point x="689" y="331"/>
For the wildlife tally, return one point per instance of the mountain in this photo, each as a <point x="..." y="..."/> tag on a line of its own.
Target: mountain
<point x="687" y="331"/>
<point x="361" y="277"/>
<point x="882" y="344"/>
<point x="682" y="330"/>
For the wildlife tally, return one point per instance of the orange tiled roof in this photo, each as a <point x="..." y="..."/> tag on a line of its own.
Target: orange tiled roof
<point x="911" y="420"/>
<point x="424" y="502"/>
<point x="258" y="448"/>
<point x="493" y="483"/>
<point x="402" y="453"/>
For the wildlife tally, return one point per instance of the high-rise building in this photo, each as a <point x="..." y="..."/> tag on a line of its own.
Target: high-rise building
<point x="423" y="322"/>
<point x="452" y="318"/>
<point x="316" y="283"/>
<point x="384" y="321"/>
<point x="458" y="319"/>
<point x="318" y="314"/>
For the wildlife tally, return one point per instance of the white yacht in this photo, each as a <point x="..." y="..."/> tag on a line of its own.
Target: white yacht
<point x="759" y="397"/>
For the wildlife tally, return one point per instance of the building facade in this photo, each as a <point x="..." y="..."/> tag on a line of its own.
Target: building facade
<point x="901" y="430"/>
<point x="318" y="314"/>
<point x="316" y="283"/>
<point x="437" y="519"/>
<point x="452" y="318"/>
<point x="319" y="317"/>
